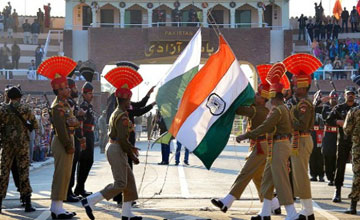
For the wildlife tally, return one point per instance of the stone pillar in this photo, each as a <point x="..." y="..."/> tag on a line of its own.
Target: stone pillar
<point x="260" y="17"/>
<point x="122" y="17"/>
<point x="94" y="12"/>
<point x="69" y="6"/>
<point x="150" y="15"/>
<point x="205" y="17"/>
<point x="285" y="21"/>
<point x="232" y="17"/>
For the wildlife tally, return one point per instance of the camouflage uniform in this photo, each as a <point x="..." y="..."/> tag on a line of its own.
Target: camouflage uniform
<point x="352" y="129"/>
<point x="15" y="145"/>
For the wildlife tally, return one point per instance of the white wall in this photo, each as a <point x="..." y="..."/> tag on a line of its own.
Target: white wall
<point x="80" y="45"/>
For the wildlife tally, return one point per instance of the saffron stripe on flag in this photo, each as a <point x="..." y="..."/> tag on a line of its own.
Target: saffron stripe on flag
<point x="193" y="96"/>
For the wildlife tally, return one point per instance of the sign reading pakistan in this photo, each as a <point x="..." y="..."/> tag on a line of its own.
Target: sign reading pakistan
<point x="170" y="48"/>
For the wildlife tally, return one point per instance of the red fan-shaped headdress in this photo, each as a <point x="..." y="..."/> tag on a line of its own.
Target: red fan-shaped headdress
<point x="275" y="78"/>
<point x="264" y="86"/>
<point x="57" y="68"/>
<point x="123" y="79"/>
<point x="302" y="65"/>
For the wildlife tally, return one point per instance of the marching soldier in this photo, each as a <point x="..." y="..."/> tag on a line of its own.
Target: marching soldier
<point x="64" y="124"/>
<point x="255" y="162"/>
<point x="337" y="116"/>
<point x="86" y="158"/>
<point x="119" y="148"/>
<point x="352" y="129"/>
<point x="19" y="121"/>
<point x="276" y="169"/>
<point x="330" y="139"/>
<point x="79" y="140"/>
<point x="303" y="115"/>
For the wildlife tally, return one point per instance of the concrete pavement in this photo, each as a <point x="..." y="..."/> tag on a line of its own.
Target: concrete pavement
<point x="173" y="192"/>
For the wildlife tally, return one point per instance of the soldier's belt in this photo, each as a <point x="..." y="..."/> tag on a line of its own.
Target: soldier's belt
<point x="304" y="133"/>
<point x="89" y="127"/>
<point x="281" y="137"/>
<point x="112" y="141"/>
<point x="332" y="129"/>
<point x="316" y="128"/>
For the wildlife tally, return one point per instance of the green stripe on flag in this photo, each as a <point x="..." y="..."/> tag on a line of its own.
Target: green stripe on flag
<point x="218" y="135"/>
<point x="170" y="94"/>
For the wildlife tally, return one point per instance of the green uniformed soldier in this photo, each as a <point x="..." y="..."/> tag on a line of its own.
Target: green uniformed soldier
<point x="64" y="124"/>
<point x="18" y="120"/>
<point x="276" y="169"/>
<point x="352" y="129"/>
<point x="119" y="148"/>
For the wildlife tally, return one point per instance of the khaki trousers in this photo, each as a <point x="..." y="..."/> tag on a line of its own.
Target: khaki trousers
<point x="300" y="168"/>
<point x="276" y="174"/>
<point x="124" y="180"/>
<point x="253" y="170"/>
<point x="62" y="173"/>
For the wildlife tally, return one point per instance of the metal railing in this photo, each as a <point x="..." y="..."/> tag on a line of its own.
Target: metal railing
<point x="20" y="74"/>
<point x="48" y="39"/>
<point x="335" y="73"/>
<point x="179" y="24"/>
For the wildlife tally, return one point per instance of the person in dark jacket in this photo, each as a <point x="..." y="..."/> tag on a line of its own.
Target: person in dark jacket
<point x="35" y="31"/>
<point x="345" y="18"/>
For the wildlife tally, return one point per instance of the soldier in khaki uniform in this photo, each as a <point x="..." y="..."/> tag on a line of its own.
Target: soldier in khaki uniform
<point x="276" y="170"/>
<point x="119" y="148"/>
<point x="64" y="124"/>
<point x="18" y="120"/>
<point x="352" y="129"/>
<point x="255" y="163"/>
<point x="303" y="117"/>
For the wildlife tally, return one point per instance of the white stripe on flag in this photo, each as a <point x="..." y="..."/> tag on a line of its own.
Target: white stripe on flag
<point x="199" y="122"/>
<point x="187" y="60"/>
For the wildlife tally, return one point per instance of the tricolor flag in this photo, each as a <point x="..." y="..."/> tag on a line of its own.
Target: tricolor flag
<point x="337" y="10"/>
<point x="206" y="113"/>
<point x="178" y="77"/>
<point x="358" y="7"/>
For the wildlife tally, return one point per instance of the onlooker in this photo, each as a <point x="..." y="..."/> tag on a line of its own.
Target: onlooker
<point x="27" y="32"/>
<point x="336" y="29"/>
<point x="322" y="30"/>
<point x="31" y="74"/>
<point x="16" y="20"/>
<point x="354" y="17"/>
<point x="40" y="18"/>
<point x="177" y="155"/>
<point x="1" y="25"/>
<point x="165" y="148"/>
<point x="10" y="24"/>
<point x="329" y="29"/>
<point x="47" y="10"/>
<point x="317" y="31"/>
<point x="302" y="25"/>
<point x="328" y="68"/>
<point x="345" y="19"/>
<point x="310" y="29"/>
<point x="39" y="52"/>
<point x="337" y="65"/>
<point x="15" y="55"/>
<point x="35" y="31"/>
<point x="138" y="127"/>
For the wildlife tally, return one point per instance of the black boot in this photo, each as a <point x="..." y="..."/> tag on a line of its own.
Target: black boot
<point x="352" y="209"/>
<point x="337" y="196"/>
<point x="28" y="207"/>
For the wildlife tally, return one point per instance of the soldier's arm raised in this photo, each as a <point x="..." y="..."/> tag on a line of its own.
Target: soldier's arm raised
<point x="248" y="111"/>
<point x="267" y="126"/>
<point x="61" y="128"/>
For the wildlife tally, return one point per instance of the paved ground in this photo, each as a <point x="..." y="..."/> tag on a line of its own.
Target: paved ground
<point x="186" y="191"/>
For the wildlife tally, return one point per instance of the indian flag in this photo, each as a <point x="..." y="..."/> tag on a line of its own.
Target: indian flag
<point x="206" y="113"/>
<point x="173" y="85"/>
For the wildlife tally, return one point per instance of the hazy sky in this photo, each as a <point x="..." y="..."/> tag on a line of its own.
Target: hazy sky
<point x="30" y="7"/>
